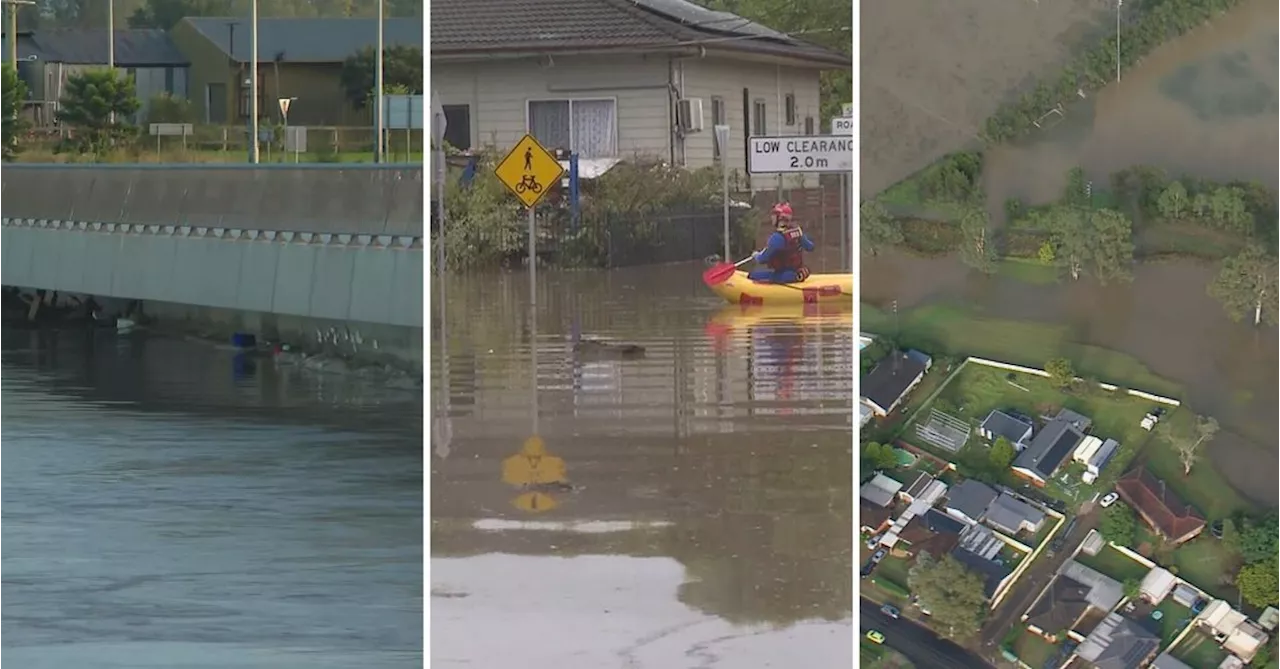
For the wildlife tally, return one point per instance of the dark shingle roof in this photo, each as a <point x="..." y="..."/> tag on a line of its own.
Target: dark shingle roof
<point x="461" y="27"/>
<point x="1048" y="449"/>
<point x="992" y="574"/>
<point x="971" y="498"/>
<point x="88" y="46"/>
<point x="1002" y="424"/>
<point x="306" y="40"/>
<point x="890" y="379"/>
<point x="1060" y="606"/>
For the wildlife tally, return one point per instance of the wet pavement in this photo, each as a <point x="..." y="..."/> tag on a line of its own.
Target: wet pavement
<point x="169" y="505"/>
<point x="688" y="506"/>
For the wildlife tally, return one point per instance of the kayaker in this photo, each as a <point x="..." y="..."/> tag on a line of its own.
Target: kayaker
<point x="783" y="254"/>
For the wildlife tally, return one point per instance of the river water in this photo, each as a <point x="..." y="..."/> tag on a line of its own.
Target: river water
<point x="690" y="507"/>
<point x="1204" y="105"/>
<point x="166" y="504"/>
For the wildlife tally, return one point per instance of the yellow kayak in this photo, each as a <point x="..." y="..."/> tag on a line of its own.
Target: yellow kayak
<point x="824" y="313"/>
<point x="817" y="289"/>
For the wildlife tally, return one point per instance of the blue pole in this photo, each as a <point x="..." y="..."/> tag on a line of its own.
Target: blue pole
<point x="573" y="189"/>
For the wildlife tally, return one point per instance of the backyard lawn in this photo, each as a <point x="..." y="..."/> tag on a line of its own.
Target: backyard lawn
<point x="1033" y="649"/>
<point x="1204" y="488"/>
<point x="1113" y="563"/>
<point x="894" y="569"/>
<point x="1199" y="651"/>
<point x="959" y="331"/>
<point x="1175" y="617"/>
<point x="1205" y="561"/>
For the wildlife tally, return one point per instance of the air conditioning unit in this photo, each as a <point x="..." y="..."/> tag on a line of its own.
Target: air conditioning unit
<point x="689" y="114"/>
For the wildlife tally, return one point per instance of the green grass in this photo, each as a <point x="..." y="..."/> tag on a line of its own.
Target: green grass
<point x="894" y="569"/>
<point x="1185" y="240"/>
<point x="1113" y="563"/>
<point x="961" y="331"/>
<point x="1204" y="488"/>
<point x="978" y="389"/>
<point x="1027" y="271"/>
<point x="1200" y="652"/>
<point x="1204" y="561"/>
<point x="1033" y="649"/>
<point x="1176" y="617"/>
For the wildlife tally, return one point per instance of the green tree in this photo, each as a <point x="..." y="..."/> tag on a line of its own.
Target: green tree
<point x="1131" y="588"/>
<point x="955" y="596"/>
<point x="1118" y="524"/>
<point x="1001" y="454"/>
<point x="401" y="66"/>
<point x="1174" y="203"/>
<point x="97" y="105"/>
<point x="15" y="93"/>
<point x="165" y="14"/>
<point x="1229" y="210"/>
<point x="1258" y="539"/>
<point x="1045" y="253"/>
<point x="1259" y="582"/>
<point x="1187" y="440"/>
<point x="1111" y="245"/>
<point x="1061" y="373"/>
<point x="976" y="249"/>
<point x="1247" y="283"/>
<point x="879" y="456"/>
<point x="877" y="228"/>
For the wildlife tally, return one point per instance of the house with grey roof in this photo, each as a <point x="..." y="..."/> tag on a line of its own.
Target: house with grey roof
<point x="47" y="58"/>
<point x="1012" y="515"/>
<point x="1119" y="643"/>
<point x="610" y="79"/>
<point x="880" y="490"/>
<point x="1052" y="445"/>
<point x="1016" y="429"/>
<point x="297" y="58"/>
<point x="1075" y="591"/>
<point x="969" y="500"/>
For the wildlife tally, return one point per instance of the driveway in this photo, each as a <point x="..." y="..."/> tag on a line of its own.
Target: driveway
<point x="915" y="642"/>
<point x="1032" y="582"/>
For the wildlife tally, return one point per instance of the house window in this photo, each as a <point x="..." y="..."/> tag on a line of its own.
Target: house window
<point x="457" y="131"/>
<point x="789" y="107"/>
<point x="759" y="124"/>
<point x="718" y="117"/>
<point x="808" y="125"/>
<point x="588" y="127"/>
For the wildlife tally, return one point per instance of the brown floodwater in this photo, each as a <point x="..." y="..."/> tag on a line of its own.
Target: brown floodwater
<point x="688" y="506"/>
<point x="1164" y="319"/>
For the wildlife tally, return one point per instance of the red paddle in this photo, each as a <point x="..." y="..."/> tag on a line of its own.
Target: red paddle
<point x="723" y="272"/>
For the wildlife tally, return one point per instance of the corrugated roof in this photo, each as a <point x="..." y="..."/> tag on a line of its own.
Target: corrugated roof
<point x="306" y="40"/>
<point x="971" y="498"/>
<point x="1008" y="513"/>
<point x="86" y="46"/>
<point x="548" y="26"/>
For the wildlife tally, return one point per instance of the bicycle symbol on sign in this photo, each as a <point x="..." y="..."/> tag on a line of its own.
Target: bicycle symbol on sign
<point x="529" y="183"/>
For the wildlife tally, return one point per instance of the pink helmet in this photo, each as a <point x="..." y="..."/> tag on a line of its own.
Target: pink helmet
<point x="782" y="210"/>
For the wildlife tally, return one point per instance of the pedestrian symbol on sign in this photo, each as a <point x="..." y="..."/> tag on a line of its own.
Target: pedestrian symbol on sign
<point x="529" y="170"/>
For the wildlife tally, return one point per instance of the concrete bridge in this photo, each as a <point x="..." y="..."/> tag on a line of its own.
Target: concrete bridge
<point x="332" y="245"/>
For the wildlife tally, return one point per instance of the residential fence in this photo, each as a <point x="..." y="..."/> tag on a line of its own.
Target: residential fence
<point x="234" y="139"/>
<point x="1105" y="386"/>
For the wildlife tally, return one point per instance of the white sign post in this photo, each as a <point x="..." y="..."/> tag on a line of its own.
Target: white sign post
<point x="438" y="125"/>
<point x="722" y="139"/>
<point x="800" y="153"/>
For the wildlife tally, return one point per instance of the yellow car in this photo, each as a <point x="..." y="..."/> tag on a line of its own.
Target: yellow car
<point x="875" y="636"/>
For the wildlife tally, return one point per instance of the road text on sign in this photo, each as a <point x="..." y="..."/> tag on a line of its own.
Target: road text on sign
<point x="529" y="170"/>
<point x="800" y="153"/>
<point x="842" y="126"/>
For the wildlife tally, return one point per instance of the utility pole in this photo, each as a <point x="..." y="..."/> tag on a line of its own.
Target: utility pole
<point x="377" y="89"/>
<point x="13" y="29"/>
<point x="253" y="84"/>
<point x="1119" y="3"/>
<point x="111" y="35"/>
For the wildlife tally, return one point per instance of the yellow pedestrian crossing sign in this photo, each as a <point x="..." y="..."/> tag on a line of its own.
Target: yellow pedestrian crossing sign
<point x="529" y="171"/>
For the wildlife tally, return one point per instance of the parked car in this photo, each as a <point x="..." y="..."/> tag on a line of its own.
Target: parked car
<point x="874" y="541"/>
<point x="875" y="637"/>
<point x="877" y="556"/>
<point x="1109" y="499"/>
<point x="890" y="610"/>
<point x="867" y="568"/>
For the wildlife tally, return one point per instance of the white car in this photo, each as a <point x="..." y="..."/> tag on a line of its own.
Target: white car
<point x="1109" y="499"/>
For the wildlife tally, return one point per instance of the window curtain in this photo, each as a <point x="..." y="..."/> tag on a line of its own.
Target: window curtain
<point x="549" y="123"/>
<point x="594" y="131"/>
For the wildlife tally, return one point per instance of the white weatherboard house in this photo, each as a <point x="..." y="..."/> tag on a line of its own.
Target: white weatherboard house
<point x="615" y="79"/>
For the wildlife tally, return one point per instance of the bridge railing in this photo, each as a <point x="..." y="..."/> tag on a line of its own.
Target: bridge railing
<point x="337" y="199"/>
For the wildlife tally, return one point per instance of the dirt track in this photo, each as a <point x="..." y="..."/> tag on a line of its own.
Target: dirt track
<point x="932" y="72"/>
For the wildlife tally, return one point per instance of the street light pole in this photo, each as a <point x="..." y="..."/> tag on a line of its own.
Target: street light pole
<point x="13" y="29"/>
<point x="253" y="83"/>
<point x="377" y="89"/>
<point x="1119" y="3"/>
<point x="111" y="35"/>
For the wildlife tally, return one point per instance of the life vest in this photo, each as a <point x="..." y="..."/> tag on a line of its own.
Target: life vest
<point x="789" y="256"/>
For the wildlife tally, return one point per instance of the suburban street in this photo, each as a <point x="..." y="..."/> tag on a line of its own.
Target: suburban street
<point x="1032" y="582"/>
<point x="916" y="642"/>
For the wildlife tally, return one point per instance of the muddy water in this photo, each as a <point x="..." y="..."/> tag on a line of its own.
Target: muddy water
<point x="171" y="505"/>
<point x="688" y="507"/>
<point x="1164" y="319"/>
<point x="1204" y="105"/>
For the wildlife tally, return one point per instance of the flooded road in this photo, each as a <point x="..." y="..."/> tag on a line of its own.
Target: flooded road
<point x="168" y="505"/>
<point x="686" y="507"/>
<point x="1164" y="319"/>
<point x="1204" y="105"/>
